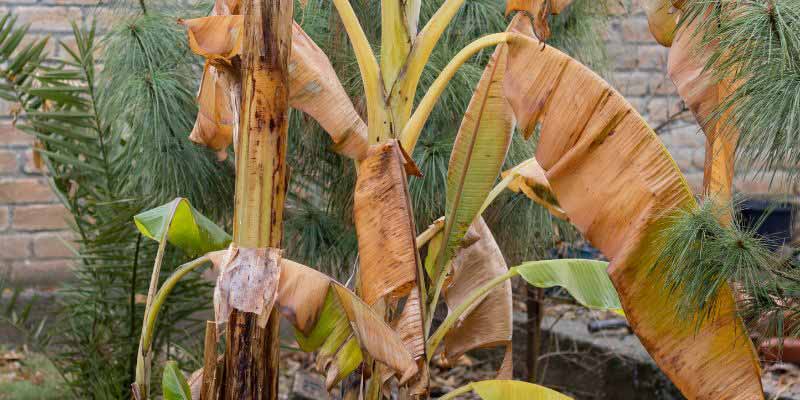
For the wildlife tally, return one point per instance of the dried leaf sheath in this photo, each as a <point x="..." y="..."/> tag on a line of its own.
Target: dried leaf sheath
<point x="220" y="90"/>
<point x="248" y="283"/>
<point x="489" y="323"/>
<point x="313" y="85"/>
<point x="616" y="181"/>
<point x="384" y="225"/>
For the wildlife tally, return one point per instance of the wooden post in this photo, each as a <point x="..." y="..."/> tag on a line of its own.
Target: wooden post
<point x="535" y="303"/>
<point x="209" y="384"/>
<point x="251" y="354"/>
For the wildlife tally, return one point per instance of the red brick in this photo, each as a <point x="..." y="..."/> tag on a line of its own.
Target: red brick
<point x="653" y="57"/>
<point x="10" y="136"/>
<point x="69" y="2"/>
<point x="636" y="30"/>
<point x="634" y="83"/>
<point x="51" y="245"/>
<point x="41" y="273"/>
<point x="662" y="86"/>
<point x="624" y="56"/>
<point x="660" y="109"/>
<point x="49" y="18"/>
<point x="15" y="246"/>
<point x="26" y="190"/>
<point x="3" y="218"/>
<point x="8" y="162"/>
<point x="42" y="217"/>
<point x="695" y="180"/>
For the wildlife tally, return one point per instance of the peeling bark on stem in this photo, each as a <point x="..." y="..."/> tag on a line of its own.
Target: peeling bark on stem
<point x="251" y="355"/>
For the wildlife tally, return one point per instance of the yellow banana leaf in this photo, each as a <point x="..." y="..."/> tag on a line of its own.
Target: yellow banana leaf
<point x="478" y="151"/>
<point x="313" y="85"/>
<point x="507" y="390"/>
<point x="514" y="390"/>
<point x="617" y="183"/>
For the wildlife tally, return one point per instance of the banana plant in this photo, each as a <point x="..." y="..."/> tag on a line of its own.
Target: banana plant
<point x="597" y="165"/>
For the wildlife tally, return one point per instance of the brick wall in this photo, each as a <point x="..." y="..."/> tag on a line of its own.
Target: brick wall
<point x="31" y="220"/>
<point x="33" y="224"/>
<point x="34" y="237"/>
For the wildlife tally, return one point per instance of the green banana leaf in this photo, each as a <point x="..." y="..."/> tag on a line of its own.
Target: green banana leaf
<point x="586" y="280"/>
<point x="173" y="384"/>
<point x="183" y="226"/>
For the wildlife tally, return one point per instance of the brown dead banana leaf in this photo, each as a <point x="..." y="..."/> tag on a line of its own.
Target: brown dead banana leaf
<point x="220" y="90"/>
<point x="489" y="323"/>
<point x="314" y="87"/>
<point x="315" y="304"/>
<point x="384" y="225"/>
<point x="217" y="114"/>
<point x="217" y="38"/>
<point x="617" y="182"/>
<point x="409" y="326"/>
<point x="540" y="11"/>
<point x="703" y="94"/>
<point x="661" y="19"/>
<point x="532" y="181"/>
<point x="248" y="283"/>
<point x="195" y="381"/>
<point x="372" y="336"/>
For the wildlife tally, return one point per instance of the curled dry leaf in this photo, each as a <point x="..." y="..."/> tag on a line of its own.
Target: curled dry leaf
<point x="409" y="326"/>
<point x="218" y="113"/>
<point x="540" y="11"/>
<point x="384" y="225"/>
<point x="329" y="317"/>
<point x="489" y="322"/>
<point x="618" y="183"/>
<point x="531" y="180"/>
<point x="661" y="19"/>
<point x="195" y="382"/>
<point x="217" y="38"/>
<point x="703" y="94"/>
<point x="313" y="85"/>
<point x="248" y="283"/>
